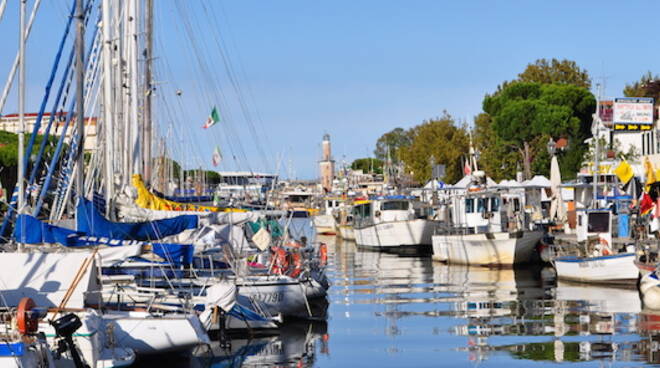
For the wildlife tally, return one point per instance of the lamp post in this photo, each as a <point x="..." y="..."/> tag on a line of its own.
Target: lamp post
<point x="551" y="146"/>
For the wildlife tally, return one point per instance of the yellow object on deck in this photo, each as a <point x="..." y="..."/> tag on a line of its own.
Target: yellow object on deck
<point x="148" y="200"/>
<point x="624" y="172"/>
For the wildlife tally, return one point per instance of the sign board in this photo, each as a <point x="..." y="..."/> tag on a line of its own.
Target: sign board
<point x="633" y="114"/>
<point x="632" y="127"/>
<point x="438" y="171"/>
<point x="606" y="111"/>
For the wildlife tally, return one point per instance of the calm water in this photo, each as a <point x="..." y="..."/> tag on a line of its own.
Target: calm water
<point x="401" y="311"/>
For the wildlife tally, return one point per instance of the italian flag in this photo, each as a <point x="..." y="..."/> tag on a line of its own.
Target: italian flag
<point x="212" y="119"/>
<point x="217" y="156"/>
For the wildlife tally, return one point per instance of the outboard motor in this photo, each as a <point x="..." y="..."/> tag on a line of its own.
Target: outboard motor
<point x="65" y="327"/>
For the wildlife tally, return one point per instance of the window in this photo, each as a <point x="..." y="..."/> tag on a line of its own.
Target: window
<point x="482" y="205"/>
<point x="469" y="205"/>
<point x="516" y="204"/>
<point x="494" y="204"/>
<point x="394" y="206"/>
<point x="599" y="222"/>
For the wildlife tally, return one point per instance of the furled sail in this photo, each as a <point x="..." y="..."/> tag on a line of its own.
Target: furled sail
<point x="146" y="199"/>
<point x="92" y="223"/>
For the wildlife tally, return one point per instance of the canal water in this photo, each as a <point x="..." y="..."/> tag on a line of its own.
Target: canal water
<point x="388" y="310"/>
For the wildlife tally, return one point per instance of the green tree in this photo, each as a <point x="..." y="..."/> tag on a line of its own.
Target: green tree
<point x="368" y="165"/>
<point x="495" y="158"/>
<point x="394" y="140"/>
<point x="556" y="72"/>
<point x="439" y="140"/>
<point x="647" y="86"/>
<point x="526" y="114"/>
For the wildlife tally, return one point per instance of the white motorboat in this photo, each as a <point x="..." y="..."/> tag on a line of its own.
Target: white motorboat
<point x="392" y="223"/>
<point x="485" y="227"/>
<point x="591" y="258"/>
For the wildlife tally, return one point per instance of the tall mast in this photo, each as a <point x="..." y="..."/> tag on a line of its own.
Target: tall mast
<point x="108" y="99"/>
<point x="21" y="108"/>
<point x="596" y="170"/>
<point x="134" y="95"/>
<point x="149" y="90"/>
<point x="80" y="96"/>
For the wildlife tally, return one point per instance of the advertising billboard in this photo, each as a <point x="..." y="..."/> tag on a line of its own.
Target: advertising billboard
<point x="633" y="114"/>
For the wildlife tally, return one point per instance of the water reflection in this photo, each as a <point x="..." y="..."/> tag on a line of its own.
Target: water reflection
<point x="295" y="345"/>
<point x="411" y="311"/>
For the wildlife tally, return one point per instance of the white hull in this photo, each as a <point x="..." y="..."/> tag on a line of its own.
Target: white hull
<point x="346" y="232"/>
<point x="486" y="249"/>
<point x="325" y="224"/>
<point x="286" y="298"/>
<point x="619" y="268"/>
<point x="649" y="286"/>
<point x="395" y="234"/>
<point x="152" y="335"/>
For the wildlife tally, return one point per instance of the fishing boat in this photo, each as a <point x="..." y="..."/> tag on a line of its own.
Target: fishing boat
<point x="324" y="221"/>
<point x="592" y="256"/>
<point x="394" y="222"/>
<point x="344" y="220"/>
<point x="485" y="227"/>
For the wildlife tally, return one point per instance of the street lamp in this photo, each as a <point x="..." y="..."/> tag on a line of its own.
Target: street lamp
<point x="551" y="146"/>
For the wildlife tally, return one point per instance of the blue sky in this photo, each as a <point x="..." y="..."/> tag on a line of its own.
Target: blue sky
<point x="353" y="69"/>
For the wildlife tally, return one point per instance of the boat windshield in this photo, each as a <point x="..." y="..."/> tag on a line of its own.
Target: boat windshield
<point x="394" y="206"/>
<point x="599" y="222"/>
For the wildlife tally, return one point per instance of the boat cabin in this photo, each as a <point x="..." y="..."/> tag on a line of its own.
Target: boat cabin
<point x="388" y="209"/>
<point x="487" y="211"/>
<point x="592" y="223"/>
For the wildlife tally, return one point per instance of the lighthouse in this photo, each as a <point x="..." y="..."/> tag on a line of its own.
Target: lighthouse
<point x="326" y="165"/>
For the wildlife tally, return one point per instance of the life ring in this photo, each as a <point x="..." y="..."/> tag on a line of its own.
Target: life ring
<point x="296" y="260"/>
<point x="323" y="253"/>
<point x="606" y="247"/>
<point x="26" y="322"/>
<point x="279" y="262"/>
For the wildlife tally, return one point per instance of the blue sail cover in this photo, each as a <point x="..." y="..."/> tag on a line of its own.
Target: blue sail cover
<point x="185" y="199"/>
<point x="30" y="230"/>
<point x="92" y="223"/>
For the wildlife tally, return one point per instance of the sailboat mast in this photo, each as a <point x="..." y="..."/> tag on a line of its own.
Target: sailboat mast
<point x="148" y="85"/>
<point x="80" y="96"/>
<point x="108" y="99"/>
<point x="135" y="164"/>
<point x="21" y="108"/>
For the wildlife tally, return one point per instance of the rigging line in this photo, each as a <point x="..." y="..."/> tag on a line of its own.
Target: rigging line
<point x="233" y="76"/>
<point x="226" y="112"/>
<point x="173" y="112"/>
<point x="14" y="67"/>
<point x="208" y="73"/>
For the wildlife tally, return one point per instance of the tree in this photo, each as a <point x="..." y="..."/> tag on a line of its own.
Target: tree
<point x="556" y="72"/>
<point x="393" y="140"/>
<point x="526" y="114"/>
<point x="495" y="157"/>
<point x="647" y="86"/>
<point x="438" y="140"/>
<point x="368" y="165"/>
